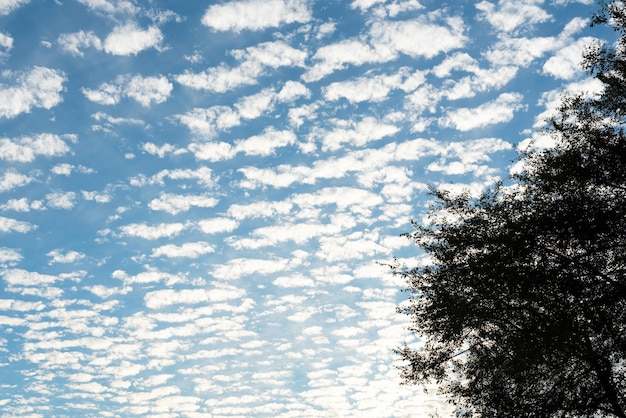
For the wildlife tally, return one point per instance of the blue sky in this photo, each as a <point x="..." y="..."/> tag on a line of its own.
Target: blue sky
<point x="194" y="195"/>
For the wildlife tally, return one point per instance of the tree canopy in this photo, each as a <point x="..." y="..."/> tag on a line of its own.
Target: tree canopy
<point x="521" y="300"/>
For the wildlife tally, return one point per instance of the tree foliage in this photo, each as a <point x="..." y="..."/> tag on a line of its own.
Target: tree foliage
<point x="522" y="306"/>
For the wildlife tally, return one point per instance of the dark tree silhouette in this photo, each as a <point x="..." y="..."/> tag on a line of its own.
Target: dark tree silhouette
<point x="522" y="307"/>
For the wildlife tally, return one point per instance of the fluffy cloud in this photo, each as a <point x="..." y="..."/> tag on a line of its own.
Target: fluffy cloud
<point x="144" y="90"/>
<point x="237" y="268"/>
<point x="9" y="255"/>
<point x="373" y="88"/>
<point x="153" y="232"/>
<point x="202" y="175"/>
<point x="13" y="225"/>
<point x="356" y="133"/>
<point x="26" y="149"/>
<point x="266" y="143"/>
<point x="20" y="277"/>
<point x="338" y="56"/>
<point x="6" y="42"/>
<point x="255" y="14"/>
<point x="149" y="89"/>
<point x="7" y="6"/>
<point x="566" y="63"/>
<point x="60" y="200"/>
<point x="110" y="6"/>
<point x="73" y="43"/>
<point x="167" y="297"/>
<point x="129" y="39"/>
<point x="186" y="250"/>
<point x="57" y="256"/>
<point x="11" y="179"/>
<point x="22" y="205"/>
<point x="422" y="37"/>
<point x="174" y="204"/>
<point x="523" y="51"/>
<point x="254" y="60"/>
<point x="208" y="122"/>
<point x="217" y="225"/>
<point x="500" y="110"/>
<point x="151" y="276"/>
<point x="39" y="87"/>
<point x="509" y="15"/>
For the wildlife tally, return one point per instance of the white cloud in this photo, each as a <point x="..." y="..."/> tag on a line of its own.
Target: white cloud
<point x="237" y="268"/>
<point x="338" y="56"/>
<point x="365" y="4"/>
<point x="162" y="150"/>
<point x="291" y="91"/>
<point x="7" y="6"/>
<point x="26" y="149"/>
<point x="202" y="175"/>
<point x="255" y="14"/>
<point x="266" y="143"/>
<point x="551" y="100"/>
<point x="73" y="43"/>
<point x="566" y="63"/>
<point x="129" y="39"/>
<point x="12" y="225"/>
<point x="144" y="90"/>
<point x="65" y="169"/>
<point x="217" y="225"/>
<point x="207" y="123"/>
<point x="500" y="110"/>
<point x="12" y="179"/>
<point x="60" y="200"/>
<point x="9" y="255"/>
<point x="108" y="123"/>
<point x="20" y="306"/>
<point x="422" y="37"/>
<point x="153" y="232"/>
<point x="519" y="51"/>
<point x="106" y="292"/>
<point x="105" y="94"/>
<point x="212" y="151"/>
<point x="251" y="107"/>
<point x="186" y="250"/>
<point x="6" y="42"/>
<point x="294" y="280"/>
<point x="150" y="276"/>
<point x="22" y="205"/>
<point x="511" y="15"/>
<point x="67" y="257"/>
<point x="523" y="51"/>
<point x="261" y="209"/>
<point x="358" y="162"/>
<point x="299" y="233"/>
<point x="20" y="277"/>
<point x="39" y="87"/>
<point x="174" y="204"/>
<point x="254" y="62"/>
<point x="373" y="88"/>
<point x="356" y="133"/>
<point x="96" y="196"/>
<point x="110" y="6"/>
<point x="219" y="293"/>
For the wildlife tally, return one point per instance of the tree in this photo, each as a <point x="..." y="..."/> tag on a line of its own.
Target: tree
<point x="521" y="305"/>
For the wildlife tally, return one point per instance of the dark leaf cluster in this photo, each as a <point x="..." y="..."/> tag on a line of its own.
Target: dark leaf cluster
<point x="522" y="308"/>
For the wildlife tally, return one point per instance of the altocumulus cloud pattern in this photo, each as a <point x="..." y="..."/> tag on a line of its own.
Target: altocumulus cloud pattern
<point x="194" y="195"/>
